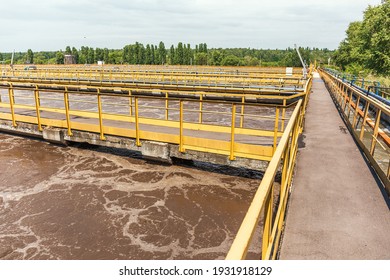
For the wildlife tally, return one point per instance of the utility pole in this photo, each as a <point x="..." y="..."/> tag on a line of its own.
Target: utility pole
<point x="12" y="58"/>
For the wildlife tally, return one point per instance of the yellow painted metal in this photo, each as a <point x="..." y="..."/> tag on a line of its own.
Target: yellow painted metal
<point x="364" y="121"/>
<point x="388" y="171"/>
<point x="137" y="132"/>
<point x="242" y="150"/>
<point x="166" y="106"/>
<point x="130" y="104"/>
<point x="242" y="112"/>
<point x="156" y="122"/>
<point x="200" y="108"/>
<point x="99" y="98"/>
<point x="355" y="115"/>
<point x="268" y="211"/>
<point x="349" y="104"/>
<point x="11" y="103"/>
<point x="66" y="103"/>
<point x="37" y="103"/>
<point x="276" y="128"/>
<point x="283" y="115"/>
<point x="232" y="126"/>
<point x="245" y="234"/>
<point x="55" y="86"/>
<point x="375" y="134"/>
<point x="181" y="144"/>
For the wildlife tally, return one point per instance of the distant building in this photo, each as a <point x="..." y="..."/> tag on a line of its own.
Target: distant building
<point x="69" y="59"/>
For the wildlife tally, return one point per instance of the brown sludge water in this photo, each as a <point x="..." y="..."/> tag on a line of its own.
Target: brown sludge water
<point x="87" y="203"/>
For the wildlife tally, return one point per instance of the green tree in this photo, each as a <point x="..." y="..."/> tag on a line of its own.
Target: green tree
<point x="162" y="53"/>
<point x="83" y="55"/>
<point x="99" y="54"/>
<point x="188" y="55"/>
<point x="126" y="54"/>
<point x="106" y="56"/>
<point x="60" y="58"/>
<point x="216" y="57"/>
<point x="29" y="56"/>
<point x="91" y="56"/>
<point x="231" y="60"/>
<point x="179" y="56"/>
<point x="148" y="55"/>
<point x="375" y="35"/>
<point x="140" y="53"/>
<point x="153" y="54"/>
<point x="172" y="55"/>
<point x="75" y="54"/>
<point x="251" y="61"/>
<point x="116" y="56"/>
<point x="68" y="50"/>
<point x="201" y="58"/>
<point x="367" y="44"/>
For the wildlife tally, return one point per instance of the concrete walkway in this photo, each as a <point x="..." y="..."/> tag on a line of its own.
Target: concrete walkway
<point x="337" y="210"/>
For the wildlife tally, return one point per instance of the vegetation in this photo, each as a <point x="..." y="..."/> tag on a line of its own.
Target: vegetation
<point x="366" y="49"/>
<point x="181" y="54"/>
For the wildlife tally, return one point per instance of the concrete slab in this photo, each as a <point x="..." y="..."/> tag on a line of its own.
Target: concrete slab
<point x="337" y="210"/>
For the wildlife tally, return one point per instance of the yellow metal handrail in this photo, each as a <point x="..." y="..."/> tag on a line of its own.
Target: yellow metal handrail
<point x="57" y="85"/>
<point x="228" y="145"/>
<point x="368" y="119"/>
<point x="171" y="69"/>
<point x="283" y="157"/>
<point x="159" y="77"/>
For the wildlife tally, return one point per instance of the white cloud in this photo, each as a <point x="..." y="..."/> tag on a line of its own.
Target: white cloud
<point x="52" y="25"/>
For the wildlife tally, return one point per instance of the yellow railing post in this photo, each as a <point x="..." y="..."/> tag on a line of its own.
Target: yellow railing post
<point x="355" y="115"/>
<point x="130" y="103"/>
<point x="283" y="114"/>
<point x="181" y="136"/>
<point x="375" y="133"/>
<point x="242" y="112"/>
<point x="100" y="116"/>
<point x="345" y="100"/>
<point x="349" y="104"/>
<point x="276" y="128"/>
<point x="137" y="139"/>
<point x="166" y="106"/>
<point x="66" y="103"/>
<point x="388" y="170"/>
<point x="233" y="124"/>
<point x="267" y="223"/>
<point x="11" y="103"/>
<point x="364" y="120"/>
<point x="340" y="93"/>
<point x="37" y="104"/>
<point x="200" y="108"/>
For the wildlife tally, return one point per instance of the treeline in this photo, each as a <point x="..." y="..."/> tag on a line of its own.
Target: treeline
<point x="180" y="54"/>
<point x="367" y="45"/>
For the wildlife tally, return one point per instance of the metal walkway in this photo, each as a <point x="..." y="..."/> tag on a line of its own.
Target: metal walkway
<point x="337" y="210"/>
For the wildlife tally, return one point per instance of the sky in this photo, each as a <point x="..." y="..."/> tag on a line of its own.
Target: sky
<point x="51" y="25"/>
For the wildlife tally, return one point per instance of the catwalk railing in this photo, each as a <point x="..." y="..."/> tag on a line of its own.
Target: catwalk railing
<point x="264" y="203"/>
<point x="235" y="129"/>
<point x="369" y="121"/>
